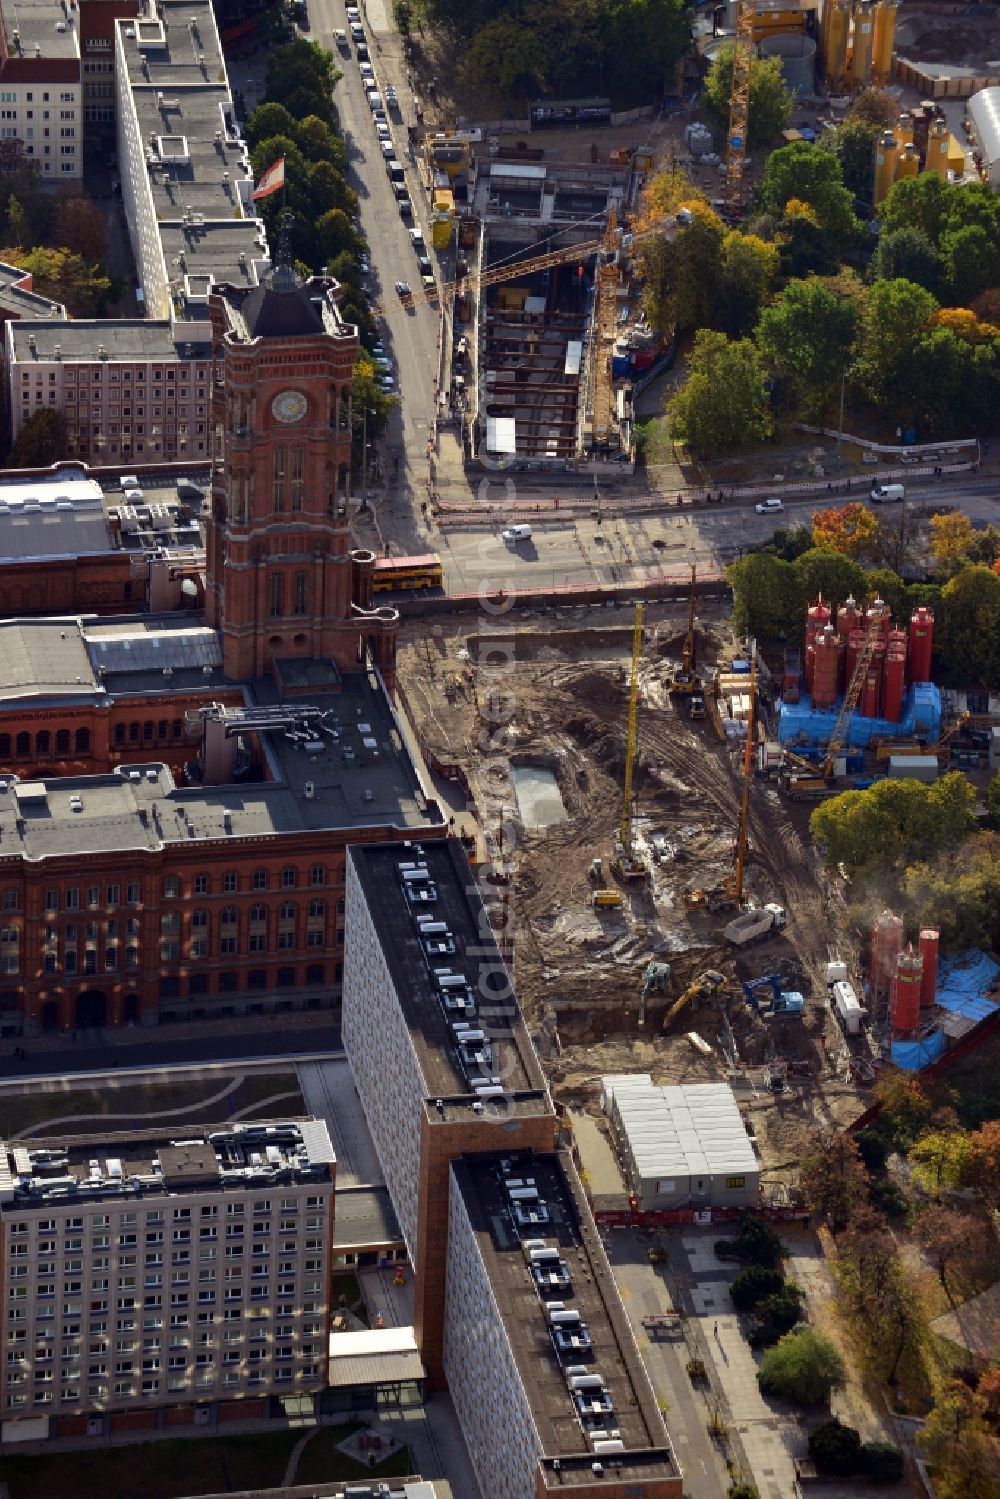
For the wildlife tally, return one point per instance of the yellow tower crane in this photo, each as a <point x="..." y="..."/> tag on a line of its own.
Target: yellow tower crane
<point x="685" y="679"/>
<point x="739" y="108"/>
<point x="729" y="891"/>
<point x="626" y="863"/>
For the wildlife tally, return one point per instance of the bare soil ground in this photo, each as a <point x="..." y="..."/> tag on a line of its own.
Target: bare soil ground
<point x="563" y="701"/>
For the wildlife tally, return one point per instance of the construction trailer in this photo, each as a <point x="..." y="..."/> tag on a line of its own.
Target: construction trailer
<point x="680" y="1146"/>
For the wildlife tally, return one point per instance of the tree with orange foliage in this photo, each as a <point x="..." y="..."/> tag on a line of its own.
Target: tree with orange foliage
<point x="983" y="1168"/>
<point x="950" y="538"/>
<point x="851" y="530"/>
<point x="965" y="325"/>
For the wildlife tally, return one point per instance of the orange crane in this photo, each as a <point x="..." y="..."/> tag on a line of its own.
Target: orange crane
<point x="821" y="782"/>
<point x="739" y="108"/>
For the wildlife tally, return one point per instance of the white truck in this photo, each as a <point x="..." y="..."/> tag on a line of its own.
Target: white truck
<point x="755" y="926"/>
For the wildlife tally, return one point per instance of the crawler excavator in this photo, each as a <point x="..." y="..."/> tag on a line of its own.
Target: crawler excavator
<point x="706" y="986"/>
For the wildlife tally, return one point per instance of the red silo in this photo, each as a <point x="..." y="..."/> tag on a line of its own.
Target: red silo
<point x="826" y="661"/>
<point x="921" y="642"/>
<point x="855" y="645"/>
<point x="877" y="609"/>
<point x="810" y="665"/>
<point x="886" y="937"/>
<point x="893" y="683"/>
<point x="847" y="617"/>
<point x="868" y="707"/>
<point x="905" y="999"/>
<point x="898" y="641"/>
<point x="929" y="954"/>
<point x="817" y="618"/>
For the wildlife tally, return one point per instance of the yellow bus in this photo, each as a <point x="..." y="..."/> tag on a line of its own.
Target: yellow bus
<point x="399" y="574"/>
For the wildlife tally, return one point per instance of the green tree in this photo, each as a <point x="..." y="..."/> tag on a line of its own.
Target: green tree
<point x="336" y="234"/>
<point x="904" y="1106"/>
<point x="835" y="1448"/>
<point x="766" y="599"/>
<point x="970" y="261"/>
<point x="807" y="336"/>
<point x="853" y="144"/>
<point x="65" y="277"/>
<point x="19" y="224"/>
<point x="770" y="101"/>
<point x="81" y="224"/>
<point x="266" y="120"/>
<point x="877" y="1296"/>
<point x="747" y="273"/>
<point x="42" y="440"/>
<point x="805" y="173"/>
<point x="775" y="1315"/>
<point x="833" y="1179"/>
<point x="804" y="1366"/>
<point x="752" y="1285"/>
<point x="906" y="255"/>
<point x="896" y="318"/>
<point x="894" y="822"/>
<point x="723" y="403"/>
<point x="940" y="1159"/>
<point x="685" y="272"/>
<point x="967" y="630"/>
<point x="832" y="574"/>
<point x="875" y="107"/>
<point x="918" y="203"/>
<point x="368" y="398"/>
<point x="504" y="54"/>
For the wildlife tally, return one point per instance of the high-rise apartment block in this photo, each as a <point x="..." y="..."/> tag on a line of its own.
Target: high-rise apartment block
<point x="142" y="1272"/>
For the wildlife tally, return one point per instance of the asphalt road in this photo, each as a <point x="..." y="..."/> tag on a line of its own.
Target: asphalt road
<point x="410" y="337"/>
<point x="576" y="549"/>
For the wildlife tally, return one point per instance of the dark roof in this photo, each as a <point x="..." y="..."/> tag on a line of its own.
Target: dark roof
<point x="281" y="311"/>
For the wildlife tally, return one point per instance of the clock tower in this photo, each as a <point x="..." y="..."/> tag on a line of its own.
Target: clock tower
<point x="282" y="580"/>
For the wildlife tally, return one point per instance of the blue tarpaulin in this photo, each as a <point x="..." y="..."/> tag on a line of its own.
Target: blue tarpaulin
<point x="801" y="723"/>
<point x="963" y="984"/>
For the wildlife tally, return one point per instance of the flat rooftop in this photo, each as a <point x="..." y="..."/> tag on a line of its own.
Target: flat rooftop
<point x="40" y="23"/>
<point x="346" y="786"/>
<point x="458" y="906"/>
<point x="683" y="1130"/>
<point x="26" y="304"/>
<point x="109" y="1166"/>
<point x="124" y="341"/>
<point x="566" y="1433"/>
<point x="365" y="1217"/>
<point x="212" y="246"/>
<point x="49" y="518"/>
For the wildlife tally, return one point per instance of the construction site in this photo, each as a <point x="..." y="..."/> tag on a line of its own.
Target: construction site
<point x="648" y="888"/>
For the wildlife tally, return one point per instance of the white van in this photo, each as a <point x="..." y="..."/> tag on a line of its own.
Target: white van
<point x="888" y="494"/>
<point x="514" y="534"/>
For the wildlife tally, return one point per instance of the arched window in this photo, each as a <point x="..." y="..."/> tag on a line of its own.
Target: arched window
<point x="133" y="733"/>
<point x="317" y="908"/>
<point x="199" y="918"/>
<point x="119" y="733"/>
<point x="286" y="911"/>
<point x="43" y="742"/>
<point x="161" y="729"/>
<point x="300" y="593"/>
<point x="317" y="874"/>
<point x="22" y="745"/>
<point x="5" y="745"/>
<point x="277" y="602"/>
<point x="148" y="731"/>
<point x="83" y="741"/>
<point x="171" y="887"/>
<point x="289" y="877"/>
<point x="229" y="916"/>
<point x="62" y="741"/>
<point x="260" y="879"/>
<point x="258" y="914"/>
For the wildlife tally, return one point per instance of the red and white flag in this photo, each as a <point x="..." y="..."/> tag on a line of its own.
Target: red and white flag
<point x="272" y="181"/>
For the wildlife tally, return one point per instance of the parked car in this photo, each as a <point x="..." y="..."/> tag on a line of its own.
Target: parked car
<point x="426" y="271"/>
<point x="382" y="131"/>
<point x="417" y="239"/>
<point x="361" y="50"/>
<point x="358" y="33"/>
<point x="366" y="70"/>
<point x="353" y="13"/>
<point x="386" y="383"/>
<point x="769" y="506"/>
<point x="403" y="290"/>
<point x="405" y="208"/>
<point x="384" y="366"/>
<point x="399" y="188"/>
<point x="388" y="150"/>
<point x="342" y="43"/>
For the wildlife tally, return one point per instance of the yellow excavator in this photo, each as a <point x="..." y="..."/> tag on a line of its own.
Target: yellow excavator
<point x="685" y="679"/>
<point x="626" y="863"/>
<point x="706" y="986"/>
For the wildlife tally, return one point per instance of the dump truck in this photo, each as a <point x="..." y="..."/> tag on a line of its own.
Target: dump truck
<point x="755" y="926"/>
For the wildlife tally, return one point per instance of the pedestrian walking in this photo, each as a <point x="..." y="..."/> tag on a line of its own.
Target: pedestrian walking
<point x="715" y="1331"/>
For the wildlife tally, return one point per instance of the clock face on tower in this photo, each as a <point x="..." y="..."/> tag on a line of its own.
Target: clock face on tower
<point x="289" y="406"/>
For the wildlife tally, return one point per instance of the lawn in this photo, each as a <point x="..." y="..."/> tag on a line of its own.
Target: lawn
<point x="135" y="1100"/>
<point x="198" y="1465"/>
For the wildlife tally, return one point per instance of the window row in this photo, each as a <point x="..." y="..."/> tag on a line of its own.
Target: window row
<point x="21" y="746"/>
<point x="259" y="879"/>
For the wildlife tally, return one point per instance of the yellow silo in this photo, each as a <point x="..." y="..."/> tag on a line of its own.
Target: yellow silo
<point x="938" y="141"/>
<point x="903" y="129"/>
<point x="860" y="70"/>
<point x="886" y="155"/>
<point x="836" y="25"/>
<point x="885" y="36"/>
<point x="907" y="163"/>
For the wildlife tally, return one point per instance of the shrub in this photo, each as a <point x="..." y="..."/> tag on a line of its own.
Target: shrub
<point x="874" y="1149"/>
<point x="696" y="1368"/>
<point x="742" y="1491"/>
<point x="753" y="1284"/>
<point x="776" y="1315"/>
<point x="881" y="1462"/>
<point x="804" y="1366"/>
<point x="755" y="1244"/>
<point x="889" y="1198"/>
<point x="836" y="1448"/>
